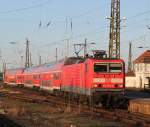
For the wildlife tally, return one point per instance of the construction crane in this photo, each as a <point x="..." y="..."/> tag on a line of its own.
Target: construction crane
<point x="114" y="37"/>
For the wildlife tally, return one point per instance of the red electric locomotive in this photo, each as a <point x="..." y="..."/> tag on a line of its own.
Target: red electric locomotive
<point x="96" y="78"/>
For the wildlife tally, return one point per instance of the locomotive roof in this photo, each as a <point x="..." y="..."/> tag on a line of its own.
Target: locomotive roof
<point x="74" y="60"/>
<point x="77" y="60"/>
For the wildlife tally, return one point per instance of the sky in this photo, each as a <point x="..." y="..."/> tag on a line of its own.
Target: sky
<point x="21" y="19"/>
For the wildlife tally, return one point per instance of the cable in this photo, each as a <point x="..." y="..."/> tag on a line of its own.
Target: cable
<point x="89" y="11"/>
<point x="139" y="14"/>
<point x="25" y="8"/>
<point x="71" y="38"/>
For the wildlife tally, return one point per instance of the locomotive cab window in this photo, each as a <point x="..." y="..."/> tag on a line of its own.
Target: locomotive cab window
<point x="100" y="68"/>
<point x="115" y="67"/>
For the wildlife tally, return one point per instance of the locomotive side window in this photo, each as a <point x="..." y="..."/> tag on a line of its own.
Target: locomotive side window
<point x="115" y="67"/>
<point x="100" y="68"/>
<point x="19" y="77"/>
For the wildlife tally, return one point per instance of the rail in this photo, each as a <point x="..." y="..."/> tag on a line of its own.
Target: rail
<point x="124" y="116"/>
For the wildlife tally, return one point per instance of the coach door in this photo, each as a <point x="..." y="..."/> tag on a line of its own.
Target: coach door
<point x="56" y="80"/>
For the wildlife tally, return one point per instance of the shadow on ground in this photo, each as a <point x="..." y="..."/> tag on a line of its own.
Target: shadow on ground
<point x="5" y="122"/>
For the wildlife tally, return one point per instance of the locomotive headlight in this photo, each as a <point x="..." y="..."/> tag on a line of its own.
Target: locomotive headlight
<point x="95" y="85"/>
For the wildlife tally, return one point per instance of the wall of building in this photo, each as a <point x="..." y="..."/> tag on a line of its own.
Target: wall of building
<point x="142" y="71"/>
<point x="131" y="82"/>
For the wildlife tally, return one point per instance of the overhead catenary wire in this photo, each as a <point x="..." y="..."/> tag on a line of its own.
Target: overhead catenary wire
<point x="80" y="15"/>
<point x="83" y="14"/>
<point x="90" y="11"/>
<point x="75" y="37"/>
<point x="25" y="8"/>
<point x="139" y="14"/>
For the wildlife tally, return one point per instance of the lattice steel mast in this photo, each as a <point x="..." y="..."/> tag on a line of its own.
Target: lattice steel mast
<point x="130" y="58"/>
<point x="114" y="42"/>
<point x="27" y="62"/>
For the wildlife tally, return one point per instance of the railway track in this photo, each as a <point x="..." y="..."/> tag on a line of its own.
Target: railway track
<point x="60" y="103"/>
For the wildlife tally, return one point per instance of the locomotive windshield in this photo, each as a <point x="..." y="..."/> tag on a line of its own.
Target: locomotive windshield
<point x="100" y="68"/>
<point x="108" y="68"/>
<point x="115" y="67"/>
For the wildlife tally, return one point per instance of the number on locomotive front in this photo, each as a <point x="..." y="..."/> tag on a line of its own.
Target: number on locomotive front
<point x="108" y="76"/>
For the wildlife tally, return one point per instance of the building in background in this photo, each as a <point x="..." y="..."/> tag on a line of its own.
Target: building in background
<point x="140" y="76"/>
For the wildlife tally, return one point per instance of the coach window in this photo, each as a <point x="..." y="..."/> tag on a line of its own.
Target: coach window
<point x="115" y="67"/>
<point x="34" y="76"/>
<point x="19" y="77"/>
<point x="56" y="76"/>
<point x="100" y="68"/>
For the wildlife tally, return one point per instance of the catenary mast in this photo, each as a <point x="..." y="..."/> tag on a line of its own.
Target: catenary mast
<point x="27" y="62"/>
<point x="114" y="37"/>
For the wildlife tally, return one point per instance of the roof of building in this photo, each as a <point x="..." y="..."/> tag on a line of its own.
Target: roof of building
<point x="143" y="58"/>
